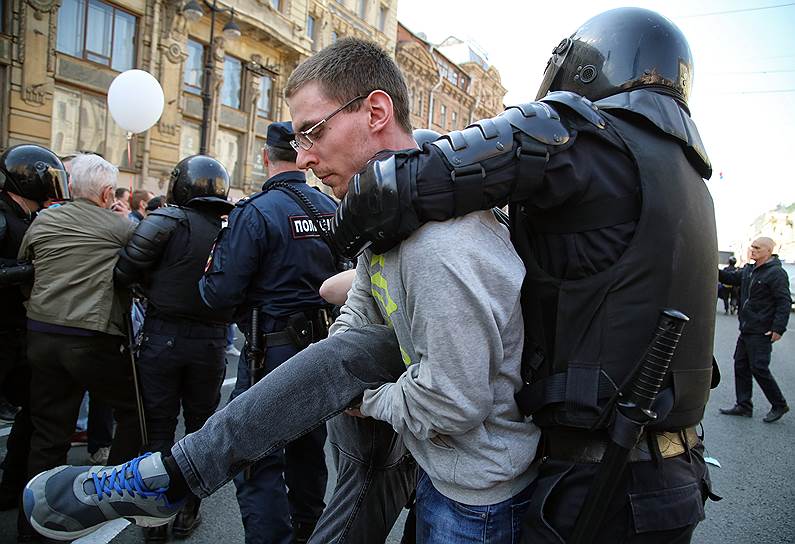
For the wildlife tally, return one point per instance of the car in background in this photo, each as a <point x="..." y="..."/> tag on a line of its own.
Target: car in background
<point x="790" y="268"/>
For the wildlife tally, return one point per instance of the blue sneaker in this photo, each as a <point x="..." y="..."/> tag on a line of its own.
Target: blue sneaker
<point x="69" y="502"/>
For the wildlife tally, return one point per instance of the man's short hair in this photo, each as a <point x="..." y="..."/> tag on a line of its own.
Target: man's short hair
<point x="90" y="174"/>
<point x="120" y="192"/>
<point x="155" y="203"/>
<point x="278" y="154"/>
<point x="139" y="196"/>
<point x="352" y="67"/>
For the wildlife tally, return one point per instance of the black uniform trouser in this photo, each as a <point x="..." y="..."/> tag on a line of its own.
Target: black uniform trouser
<point x="282" y="497"/>
<point x="653" y="503"/>
<point x="752" y="360"/>
<point x="63" y="368"/>
<point x="180" y="362"/>
<point x="15" y="386"/>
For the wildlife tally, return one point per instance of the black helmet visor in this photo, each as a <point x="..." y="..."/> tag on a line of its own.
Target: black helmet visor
<point x="553" y="67"/>
<point x="56" y="182"/>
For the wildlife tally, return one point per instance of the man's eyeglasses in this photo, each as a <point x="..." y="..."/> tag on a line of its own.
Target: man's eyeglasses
<point x="303" y="139"/>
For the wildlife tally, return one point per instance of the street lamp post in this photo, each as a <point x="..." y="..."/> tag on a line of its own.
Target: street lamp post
<point x="193" y="12"/>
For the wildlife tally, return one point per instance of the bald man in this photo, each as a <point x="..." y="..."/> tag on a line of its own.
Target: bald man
<point x="764" y="311"/>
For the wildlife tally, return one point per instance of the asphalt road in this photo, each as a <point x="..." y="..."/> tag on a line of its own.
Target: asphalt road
<point x="757" y="478"/>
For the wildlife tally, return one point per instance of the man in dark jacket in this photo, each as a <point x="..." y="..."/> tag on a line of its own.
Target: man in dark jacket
<point x="764" y="311"/>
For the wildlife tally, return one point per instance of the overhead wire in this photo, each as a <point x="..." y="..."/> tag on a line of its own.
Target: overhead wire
<point x="730" y="11"/>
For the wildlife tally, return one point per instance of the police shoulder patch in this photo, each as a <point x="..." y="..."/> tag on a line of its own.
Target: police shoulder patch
<point x="246" y="199"/>
<point x="302" y="227"/>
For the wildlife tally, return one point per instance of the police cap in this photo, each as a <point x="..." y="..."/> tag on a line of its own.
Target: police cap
<point x="280" y="135"/>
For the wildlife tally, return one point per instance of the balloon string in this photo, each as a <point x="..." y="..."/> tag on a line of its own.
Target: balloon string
<point x="129" y="159"/>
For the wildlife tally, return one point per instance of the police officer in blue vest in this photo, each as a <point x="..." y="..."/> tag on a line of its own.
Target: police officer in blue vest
<point x="269" y="264"/>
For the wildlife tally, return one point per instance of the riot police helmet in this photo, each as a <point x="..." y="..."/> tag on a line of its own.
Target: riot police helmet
<point x="199" y="179"/>
<point x="425" y="136"/>
<point x="33" y="172"/>
<point x="732" y="260"/>
<point x="620" y="50"/>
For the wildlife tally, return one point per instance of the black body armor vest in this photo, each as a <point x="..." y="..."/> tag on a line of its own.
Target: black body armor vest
<point x="173" y="286"/>
<point x="586" y="336"/>
<point x="13" y="230"/>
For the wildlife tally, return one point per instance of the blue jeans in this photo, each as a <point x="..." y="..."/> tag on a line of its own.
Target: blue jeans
<point x="442" y="520"/>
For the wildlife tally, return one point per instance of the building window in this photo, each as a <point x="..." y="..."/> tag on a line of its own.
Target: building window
<point x="276" y="4"/>
<point x="265" y="94"/>
<point x="382" y="14"/>
<point x="259" y="172"/>
<point x="194" y="70"/>
<point x="2" y="16"/>
<point x="189" y="139"/>
<point x="333" y="37"/>
<point x="310" y="27"/>
<point x="442" y="115"/>
<point x="227" y="150"/>
<point x="454" y="120"/>
<point x="419" y="103"/>
<point x="230" y="91"/>
<point x="81" y="123"/>
<point x="363" y="9"/>
<point x="97" y="31"/>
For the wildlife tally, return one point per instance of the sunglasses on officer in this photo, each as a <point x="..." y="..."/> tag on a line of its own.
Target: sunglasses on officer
<point x="303" y="139"/>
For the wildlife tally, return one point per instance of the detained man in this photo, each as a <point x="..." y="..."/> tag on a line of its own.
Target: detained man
<point x="458" y="328"/>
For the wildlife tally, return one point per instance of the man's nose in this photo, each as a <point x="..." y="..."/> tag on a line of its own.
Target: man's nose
<point x="305" y="159"/>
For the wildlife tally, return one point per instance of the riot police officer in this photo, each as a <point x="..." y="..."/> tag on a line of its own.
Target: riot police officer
<point x="272" y="259"/>
<point x="602" y="175"/>
<point x="181" y="357"/>
<point x="30" y="176"/>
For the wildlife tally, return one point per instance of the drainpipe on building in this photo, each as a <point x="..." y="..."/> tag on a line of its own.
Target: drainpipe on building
<point x="433" y="90"/>
<point x="152" y="61"/>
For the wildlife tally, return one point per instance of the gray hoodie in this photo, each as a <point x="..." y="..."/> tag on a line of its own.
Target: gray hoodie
<point x="451" y="292"/>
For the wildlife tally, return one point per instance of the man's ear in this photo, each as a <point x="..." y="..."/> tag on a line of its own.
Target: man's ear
<point x="381" y="110"/>
<point x="265" y="161"/>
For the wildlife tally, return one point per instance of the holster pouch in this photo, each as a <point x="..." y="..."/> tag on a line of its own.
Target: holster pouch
<point x="300" y="330"/>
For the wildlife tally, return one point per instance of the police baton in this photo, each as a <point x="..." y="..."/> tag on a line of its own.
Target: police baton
<point x="631" y="416"/>
<point x="136" y="384"/>
<point x="253" y="353"/>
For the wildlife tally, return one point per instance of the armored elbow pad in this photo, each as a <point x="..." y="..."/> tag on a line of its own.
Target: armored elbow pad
<point x="377" y="208"/>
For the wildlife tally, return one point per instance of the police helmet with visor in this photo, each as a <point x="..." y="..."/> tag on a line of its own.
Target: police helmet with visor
<point x="34" y="172"/>
<point x="199" y="179"/>
<point x="620" y="50"/>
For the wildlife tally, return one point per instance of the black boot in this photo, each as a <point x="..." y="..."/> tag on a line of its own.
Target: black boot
<point x="302" y="532"/>
<point x="187" y="519"/>
<point x="156" y="534"/>
<point x="25" y="531"/>
<point x="9" y="496"/>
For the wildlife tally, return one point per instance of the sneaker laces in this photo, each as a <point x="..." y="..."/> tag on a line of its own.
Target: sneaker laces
<point x="118" y="481"/>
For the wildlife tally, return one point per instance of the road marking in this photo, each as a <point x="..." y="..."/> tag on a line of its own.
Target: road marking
<point x="105" y="534"/>
<point x="6" y="430"/>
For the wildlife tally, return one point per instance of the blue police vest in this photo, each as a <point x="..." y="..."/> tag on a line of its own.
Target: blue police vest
<point x="271" y="255"/>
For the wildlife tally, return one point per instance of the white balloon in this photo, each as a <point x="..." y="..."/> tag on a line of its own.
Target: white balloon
<point x="135" y="100"/>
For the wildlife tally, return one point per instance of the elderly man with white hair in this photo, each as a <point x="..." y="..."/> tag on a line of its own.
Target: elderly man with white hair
<point x="76" y="327"/>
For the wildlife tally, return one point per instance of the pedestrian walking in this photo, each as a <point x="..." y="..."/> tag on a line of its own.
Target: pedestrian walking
<point x="763" y="315"/>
